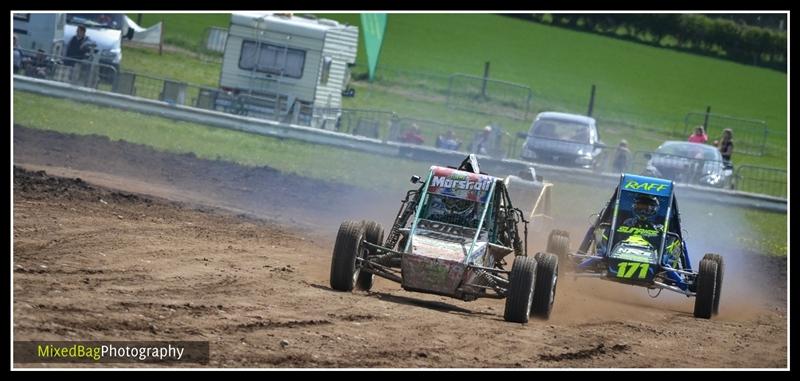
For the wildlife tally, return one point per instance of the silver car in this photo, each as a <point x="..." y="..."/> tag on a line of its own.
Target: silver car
<point x="563" y="139"/>
<point x="691" y="163"/>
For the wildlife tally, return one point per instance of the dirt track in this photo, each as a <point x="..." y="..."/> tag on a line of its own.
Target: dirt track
<point x="114" y="256"/>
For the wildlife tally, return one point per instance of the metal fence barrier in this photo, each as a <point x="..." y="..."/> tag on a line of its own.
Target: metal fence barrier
<point x="381" y="124"/>
<point x="85" y="73"/>
<point x="370" y="123"/>
<point x="750" y="135"/>
<point x="489" y="96"/>
<point x="764" y="180"/>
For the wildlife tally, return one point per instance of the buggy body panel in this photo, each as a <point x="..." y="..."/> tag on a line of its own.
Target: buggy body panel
<point x="442" y="247"/>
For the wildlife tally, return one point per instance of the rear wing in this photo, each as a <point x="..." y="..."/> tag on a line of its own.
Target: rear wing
<point x="532" y="197"/>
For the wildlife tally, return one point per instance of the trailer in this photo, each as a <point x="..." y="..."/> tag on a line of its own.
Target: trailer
<point x="286" y="67"/>
<point x="40" y="31"/>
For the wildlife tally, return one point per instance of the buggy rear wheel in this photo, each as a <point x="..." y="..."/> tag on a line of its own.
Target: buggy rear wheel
<point x="373" y="233"/>
<point x="344" y="269"/>
<point x="522" y="281"/>
<point x="558" y="244"/>
<point x="546" y="281"/>
<point x="720" y="270"/>
<point x="706" y="289"/>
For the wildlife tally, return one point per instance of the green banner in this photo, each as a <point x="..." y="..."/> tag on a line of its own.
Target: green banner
<point x="373" y="26"/>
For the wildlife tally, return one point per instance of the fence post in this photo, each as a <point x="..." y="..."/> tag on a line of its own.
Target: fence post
<point x="161" y="40"/>
<point x="591" y="102"/>
<point x="485" y="77"/>
<point x="705" y="121"/>
<point x="139" y="19"/>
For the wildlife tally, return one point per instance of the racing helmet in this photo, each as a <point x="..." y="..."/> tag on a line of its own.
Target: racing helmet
<point x="645" y="206"/>
<point x="458" y="207"/>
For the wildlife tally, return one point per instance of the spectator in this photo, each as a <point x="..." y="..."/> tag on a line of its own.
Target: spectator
<point x="699" y="135"/>
<point x="725" y="145"/>
<point x="17" y="55"/>
<point x="448" y="141"/>
<point x="40" y="66"/>
<point x="413" y="135"/>
<point x="622" y="157"/>
<point x="79" y="47"/>
<point x="482" y="142"/>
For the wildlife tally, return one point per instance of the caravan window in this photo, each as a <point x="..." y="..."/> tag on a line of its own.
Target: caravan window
<point x="272" y="59"/>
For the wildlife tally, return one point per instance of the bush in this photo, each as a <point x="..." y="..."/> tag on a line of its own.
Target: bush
<point x="719" y="36"/>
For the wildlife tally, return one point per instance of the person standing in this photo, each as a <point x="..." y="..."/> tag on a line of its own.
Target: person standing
<point x="622" y="157"/>
<point x="725" y="145"/>
<point x="79" y="47"/>
<point x="699" y="135"/>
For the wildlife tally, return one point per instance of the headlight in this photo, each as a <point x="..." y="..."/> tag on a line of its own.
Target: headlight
<point x="584" y="160"/>
<point x="529" y="153"/>
<point x="712" y="179"/>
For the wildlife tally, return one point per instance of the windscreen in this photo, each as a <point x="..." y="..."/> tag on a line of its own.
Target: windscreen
<point x="689" y="150"/>
<point x="561" y="130"/>
<point x="97" y="20"/>
<point x="641" y="220"/>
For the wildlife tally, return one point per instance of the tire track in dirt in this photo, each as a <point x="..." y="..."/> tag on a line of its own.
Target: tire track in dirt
<point x="257" y="289"/>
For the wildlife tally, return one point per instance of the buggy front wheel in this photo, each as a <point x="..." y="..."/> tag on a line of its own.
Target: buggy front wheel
<point x="546" y="281"/>
<point x="706" y="289"/>
<point x="522" y="282"/>
<point x="344" y="269"/>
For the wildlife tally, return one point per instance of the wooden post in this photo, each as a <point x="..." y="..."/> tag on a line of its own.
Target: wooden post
<point x="591" y="102"/>
<point x="705" y="121"/>
<point x="139" y="19"/>
<point x="485" y="77"/>
<point x="161" y="37"/>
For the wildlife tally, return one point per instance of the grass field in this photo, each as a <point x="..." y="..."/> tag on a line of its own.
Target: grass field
<point x="637" y="85"/>
<point x="762" y="232"/>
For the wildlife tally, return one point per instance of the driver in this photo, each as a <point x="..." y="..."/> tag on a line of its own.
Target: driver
<point x="645" y="208"/>
<point x="453" y="210"/>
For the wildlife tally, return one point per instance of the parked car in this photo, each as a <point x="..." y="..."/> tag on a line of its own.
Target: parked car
<point x="563" y="139"/>
<point x="691" y="163"/>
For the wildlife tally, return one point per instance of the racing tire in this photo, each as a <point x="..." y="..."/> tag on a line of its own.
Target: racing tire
<point x="558" y="244"/>
<point x="522" y="281"/>
<point x="344" y="270"/>
<point x="720" y="271"/>
<point x="373" y="233"/>
<point x="706" y="289"/>
<point x="546" y="281"/>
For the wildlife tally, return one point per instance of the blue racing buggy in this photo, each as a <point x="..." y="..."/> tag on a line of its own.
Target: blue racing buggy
<point x="636" y="239"/>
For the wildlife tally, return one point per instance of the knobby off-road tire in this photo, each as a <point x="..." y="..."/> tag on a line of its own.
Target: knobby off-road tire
<point x="706" y="289"/>
<point x="720" y="272"/>
<point x="558" y="244"/>
<point x="546" y="281"/>
<point x="373" y="233"/>
<point x="521" y="289"/>
<point x="344" y="271"/>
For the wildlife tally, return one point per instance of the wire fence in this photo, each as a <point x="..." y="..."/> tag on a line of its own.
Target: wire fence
<point x="489" y="96"/>
<point x="764" y="180"/>
<point x="85" y="73"/>
<point x="385" y="125"/>
<point x="751" y="134"/>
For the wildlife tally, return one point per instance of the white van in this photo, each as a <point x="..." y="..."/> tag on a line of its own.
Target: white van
<point x="104" y="29"/>
<point x="301" y="62"/>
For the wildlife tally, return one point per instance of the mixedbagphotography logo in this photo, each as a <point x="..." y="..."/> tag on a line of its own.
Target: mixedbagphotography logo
<point x="111" y="352"/>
